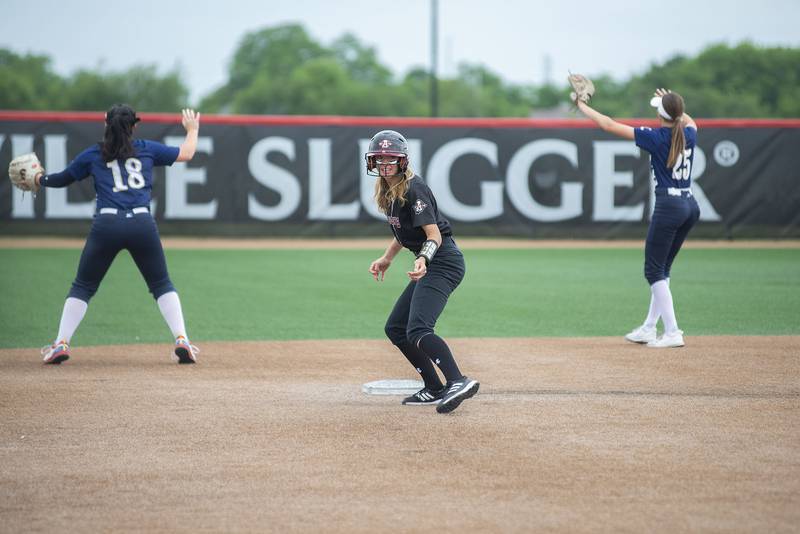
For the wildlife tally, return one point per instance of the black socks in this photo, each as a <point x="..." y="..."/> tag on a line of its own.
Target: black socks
<point x="422" y="364"/>
<point x="438" y="351"/>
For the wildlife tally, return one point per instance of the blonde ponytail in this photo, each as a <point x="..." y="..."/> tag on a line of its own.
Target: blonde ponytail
<point x="386" y="195"/>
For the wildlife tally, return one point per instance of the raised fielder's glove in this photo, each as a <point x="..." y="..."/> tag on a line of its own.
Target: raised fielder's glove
<point x="23" y="170"/>
<point x="582" y="88"/>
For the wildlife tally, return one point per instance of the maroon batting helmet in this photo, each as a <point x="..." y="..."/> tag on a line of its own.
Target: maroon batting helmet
<point x="387" y="143"/>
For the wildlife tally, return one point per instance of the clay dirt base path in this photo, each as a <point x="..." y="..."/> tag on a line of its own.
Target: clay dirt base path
<point x="568" y="435"/>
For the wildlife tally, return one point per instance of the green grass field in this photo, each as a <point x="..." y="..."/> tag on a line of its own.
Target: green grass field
<point x="327" y="294"/>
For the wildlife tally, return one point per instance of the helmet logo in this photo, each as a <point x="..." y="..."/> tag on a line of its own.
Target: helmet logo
<point x="385" y="143"/>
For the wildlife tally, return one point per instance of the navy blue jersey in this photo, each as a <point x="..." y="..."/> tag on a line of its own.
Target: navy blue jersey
<point x="123" y="184"/>
<point x="657" y="143"/>
<point x="418" y="210"/>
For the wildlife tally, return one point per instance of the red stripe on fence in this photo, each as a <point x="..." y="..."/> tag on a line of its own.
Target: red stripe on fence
<point x="381" y="122"/>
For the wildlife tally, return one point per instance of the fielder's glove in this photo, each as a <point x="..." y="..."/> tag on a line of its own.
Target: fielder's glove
<point x="23" y="171"/>
<point x="582" y="88"/>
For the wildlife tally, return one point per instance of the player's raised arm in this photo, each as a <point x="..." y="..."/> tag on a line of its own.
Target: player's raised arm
<point x="191" y="122"/>
<point x="582" y="93"/>
<point x="605" y="122"/>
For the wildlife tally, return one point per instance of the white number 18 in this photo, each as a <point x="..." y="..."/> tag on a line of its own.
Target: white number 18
<point x="134" y="169"/>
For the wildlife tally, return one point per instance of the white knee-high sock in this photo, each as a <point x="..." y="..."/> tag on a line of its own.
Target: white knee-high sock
<point x="663" y="301"/>
<point x="653" y="314"/>
<point x="170" y="306"/>
<point x="71" y="317"/>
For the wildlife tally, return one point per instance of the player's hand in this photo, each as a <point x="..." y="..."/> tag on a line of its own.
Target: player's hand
<point x="661" y="92"/>
<point x="190" y="119"/>
<point x="378" y="268"/>
<point x="420" y="269"/>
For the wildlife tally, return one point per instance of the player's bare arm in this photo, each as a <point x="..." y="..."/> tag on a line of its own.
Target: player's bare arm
<point x="432" y="233"/>
<point x="191" y="122"/>
<point x="378" y="267"/>
<point x="605" y="122"/>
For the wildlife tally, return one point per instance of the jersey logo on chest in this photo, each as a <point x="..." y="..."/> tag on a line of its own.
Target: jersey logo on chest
<point x="394" y="221"/>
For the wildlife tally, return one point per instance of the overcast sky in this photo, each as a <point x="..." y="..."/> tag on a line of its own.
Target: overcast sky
<point x="515" y="38"/>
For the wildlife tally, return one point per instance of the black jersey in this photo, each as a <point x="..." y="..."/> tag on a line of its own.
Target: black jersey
<point x="419" y="209"/>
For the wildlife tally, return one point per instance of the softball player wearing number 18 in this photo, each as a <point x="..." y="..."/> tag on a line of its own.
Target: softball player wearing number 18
<point x="671" y="148"/>
<point x="122" y="168"/>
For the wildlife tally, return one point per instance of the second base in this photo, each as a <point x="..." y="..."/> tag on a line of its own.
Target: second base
<point x="392" y="387"/>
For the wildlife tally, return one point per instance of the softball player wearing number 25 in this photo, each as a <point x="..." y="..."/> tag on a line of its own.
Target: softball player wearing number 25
<point x="417" y="225"/>
<point x="671" y="149"/>
<point x="123" y="179"/>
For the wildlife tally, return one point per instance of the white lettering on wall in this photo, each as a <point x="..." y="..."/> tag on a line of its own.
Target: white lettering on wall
<point x="57" y="205"/>
<point x="517" y="182"/>
<point x="320" y="206"/>
<point x="325" y="185"/>
<point x="178" y="178"/>
<point x="274" y="177"/>
<point x="606" y="180"/>
<point x="438" y="178"/>
<point x="707" y="211"/>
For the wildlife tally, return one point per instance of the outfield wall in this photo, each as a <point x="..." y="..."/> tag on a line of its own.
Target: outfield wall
<point x="304" y="176"/>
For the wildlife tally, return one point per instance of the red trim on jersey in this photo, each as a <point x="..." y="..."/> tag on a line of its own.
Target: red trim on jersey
<point x="380" y="122"/>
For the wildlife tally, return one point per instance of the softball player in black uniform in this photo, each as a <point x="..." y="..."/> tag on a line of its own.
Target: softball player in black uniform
<point x="418" y="226"/>
<point x="122" y="168"/>
<point x="671" y="149"/>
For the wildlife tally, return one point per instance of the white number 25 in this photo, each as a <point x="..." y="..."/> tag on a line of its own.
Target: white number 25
<point x="135" y="178"/>
<point x="683" y="166"/>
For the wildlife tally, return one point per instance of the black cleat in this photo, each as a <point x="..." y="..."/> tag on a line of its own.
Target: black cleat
<point x="457" y="392"/>
<point x="425" y="396"/>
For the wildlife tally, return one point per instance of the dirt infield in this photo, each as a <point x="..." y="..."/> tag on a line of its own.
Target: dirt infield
<point x="380" y="243"/>
<point x="570" y="435"/>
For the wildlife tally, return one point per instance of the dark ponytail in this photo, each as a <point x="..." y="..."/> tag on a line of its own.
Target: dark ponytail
<point x="674" y="106"/>
<point x="118" y="137"/>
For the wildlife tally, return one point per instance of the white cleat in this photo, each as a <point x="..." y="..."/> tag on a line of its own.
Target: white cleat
<point x="642" y="334"/>
<point x="673" y="339"/>
<point x="55" y="353"/>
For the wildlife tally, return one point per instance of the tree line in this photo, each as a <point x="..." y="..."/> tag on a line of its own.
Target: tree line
<point x="283" y="70"/>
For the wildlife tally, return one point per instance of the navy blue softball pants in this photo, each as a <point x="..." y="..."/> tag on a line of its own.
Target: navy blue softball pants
<point x="673" y="217"/>
<point x="417" y="309"/>
<point x="136" y="233"/>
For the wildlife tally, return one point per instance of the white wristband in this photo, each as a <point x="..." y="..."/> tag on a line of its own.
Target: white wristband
<point x="428" y="250"/>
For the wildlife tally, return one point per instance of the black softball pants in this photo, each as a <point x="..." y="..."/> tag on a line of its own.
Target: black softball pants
<point x="418" y="308"/>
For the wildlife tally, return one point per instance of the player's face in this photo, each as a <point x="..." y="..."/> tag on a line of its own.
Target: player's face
<point x="387" y="165"/>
